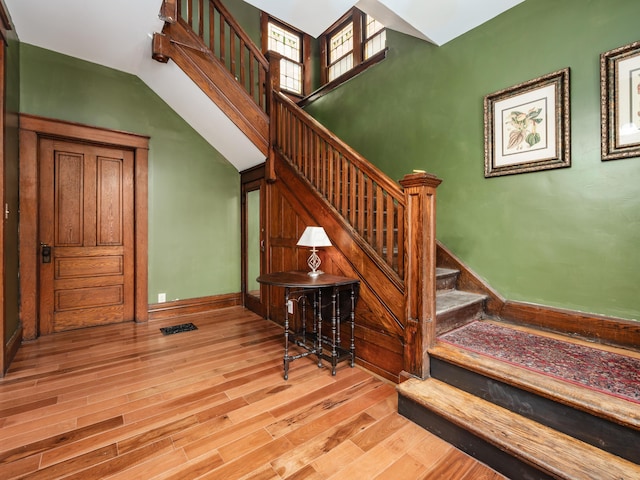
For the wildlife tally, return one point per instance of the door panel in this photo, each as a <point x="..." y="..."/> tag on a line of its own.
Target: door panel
<point x="86" y="217"/>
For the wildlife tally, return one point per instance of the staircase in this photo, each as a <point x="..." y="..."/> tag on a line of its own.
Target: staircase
<point x="519" y="422"/>
<point x="522" y="424"/>
<point x="454" y="307"/>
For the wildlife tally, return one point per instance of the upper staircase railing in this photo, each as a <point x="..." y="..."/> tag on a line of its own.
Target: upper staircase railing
<point x="206" y="43"/>
<point x="229" y="43"/>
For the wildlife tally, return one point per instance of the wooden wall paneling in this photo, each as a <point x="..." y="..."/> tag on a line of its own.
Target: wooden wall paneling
<point x="607" y="330"/>
<point x="379" y="333"/>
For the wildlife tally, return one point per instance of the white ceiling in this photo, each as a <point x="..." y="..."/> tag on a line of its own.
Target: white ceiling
<point x="117" y="34"/>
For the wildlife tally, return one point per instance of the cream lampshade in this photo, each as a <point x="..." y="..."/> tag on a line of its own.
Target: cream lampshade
<point x="314" y="237"/>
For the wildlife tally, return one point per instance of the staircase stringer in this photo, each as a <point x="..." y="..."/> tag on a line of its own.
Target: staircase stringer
<point x="240" y="95"/>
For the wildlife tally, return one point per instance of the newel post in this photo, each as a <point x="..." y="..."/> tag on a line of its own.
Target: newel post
<point x="273" y="86"/>
<point x="420" y="271"/>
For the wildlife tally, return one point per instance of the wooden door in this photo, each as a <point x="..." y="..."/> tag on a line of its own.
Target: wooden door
<point x="86" y="234"/>
<point x="253" y="237"/>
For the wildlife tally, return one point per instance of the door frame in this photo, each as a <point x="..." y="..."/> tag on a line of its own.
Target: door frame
<point x="252" y="179"/>
<point x="32" y="128"/>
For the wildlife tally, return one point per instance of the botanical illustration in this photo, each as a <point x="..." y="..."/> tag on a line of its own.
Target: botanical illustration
<point x="522" y="128"/>
<point x="526" y="127"/>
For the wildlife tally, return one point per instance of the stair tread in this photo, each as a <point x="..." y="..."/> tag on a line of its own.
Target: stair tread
<point x="441" y="271"/>
<point x="447" y="300"/>
<point x="582" y="398"/>
<point x="556" y="453"/>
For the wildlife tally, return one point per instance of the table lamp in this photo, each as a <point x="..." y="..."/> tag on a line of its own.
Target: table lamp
<point x="314" y="237"/>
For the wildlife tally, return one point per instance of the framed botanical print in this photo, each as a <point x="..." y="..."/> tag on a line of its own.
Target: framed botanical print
<point x="620" y="102"/>
<point x="527" y="128"/>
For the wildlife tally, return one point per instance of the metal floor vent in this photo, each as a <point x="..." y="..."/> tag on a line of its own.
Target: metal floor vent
<point x="184" y="327"/>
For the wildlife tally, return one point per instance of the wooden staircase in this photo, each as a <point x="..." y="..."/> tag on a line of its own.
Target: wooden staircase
<point x="521" y="423"/>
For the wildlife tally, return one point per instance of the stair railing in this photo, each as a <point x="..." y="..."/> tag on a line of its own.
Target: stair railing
<point x="397" y="221"/>
<point x="229" y="43"/>
<point x="371" y="204"/>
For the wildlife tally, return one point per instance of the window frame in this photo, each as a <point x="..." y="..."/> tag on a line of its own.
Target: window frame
<point x="358" y="19"/>
<point x="305" y="54"/>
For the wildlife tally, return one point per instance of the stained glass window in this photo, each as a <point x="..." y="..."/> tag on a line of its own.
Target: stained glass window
<point x="289" y="45"/>
<point x="375" y="35"/>
<point x="356" y="38"/>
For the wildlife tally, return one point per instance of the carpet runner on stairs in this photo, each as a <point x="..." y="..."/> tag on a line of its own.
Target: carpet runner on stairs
<point x="605" y="371"/>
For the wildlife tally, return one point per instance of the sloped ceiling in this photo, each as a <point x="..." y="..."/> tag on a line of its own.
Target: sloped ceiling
<point x="436" y="21"/>
<point x="117" y="34"/>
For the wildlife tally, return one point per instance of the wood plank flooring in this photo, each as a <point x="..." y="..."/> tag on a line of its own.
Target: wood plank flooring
<point x="125" y="402"/>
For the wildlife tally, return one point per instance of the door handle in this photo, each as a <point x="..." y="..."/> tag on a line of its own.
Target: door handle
<point x="45" y="250"/>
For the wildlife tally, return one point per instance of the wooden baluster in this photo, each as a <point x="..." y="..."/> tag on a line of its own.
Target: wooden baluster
<point x="262" y="81"/>
<point x="362" y="195"/>
<point x="379" y="241"/>
<point x="344" y="200"/>
<point x="252" y="80"/>
<point x="243" y="69"/>
<point x="390" y="230"/>
<point x="212" y="28"/>
<point x="305" y="150"/>
<point x="201" y="19"/>
<point x="369" y="210"/>
<point x="420" y="272"/>
<point x="400" y="239"/>
<point x="329" y="173"/>
<point x="232" y="52"/>
<point x="222" y="46"/>
<point x="353" y="194"/>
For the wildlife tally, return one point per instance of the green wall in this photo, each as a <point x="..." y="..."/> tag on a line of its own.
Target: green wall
<point x="194" y="192"/>
<point x="569" y="237"/>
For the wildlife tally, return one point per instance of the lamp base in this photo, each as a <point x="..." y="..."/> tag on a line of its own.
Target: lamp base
<point x="315" y="273"/>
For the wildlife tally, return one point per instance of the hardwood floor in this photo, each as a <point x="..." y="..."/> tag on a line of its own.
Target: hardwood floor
<point x="125" y="402"/>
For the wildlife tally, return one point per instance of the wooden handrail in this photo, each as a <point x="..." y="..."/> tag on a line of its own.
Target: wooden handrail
<point x="229" y="43"/>
<point x="371" y="203"/>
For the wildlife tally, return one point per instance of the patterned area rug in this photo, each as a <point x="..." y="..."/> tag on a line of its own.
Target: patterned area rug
<point x="607" y="372"/>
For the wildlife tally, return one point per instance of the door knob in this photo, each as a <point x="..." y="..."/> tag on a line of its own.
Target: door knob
<point x="46" y="252"/>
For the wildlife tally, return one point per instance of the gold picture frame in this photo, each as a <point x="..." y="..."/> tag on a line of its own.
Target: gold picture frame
<point x="620" y="102"/>
<point x="527" y="126"/>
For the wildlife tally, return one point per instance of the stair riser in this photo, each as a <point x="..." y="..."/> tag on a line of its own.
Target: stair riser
<point x="446" y="282"/>
<point x="457" y="318"/>
<point x="469" y="443"/>
<point x="601" y="433"/>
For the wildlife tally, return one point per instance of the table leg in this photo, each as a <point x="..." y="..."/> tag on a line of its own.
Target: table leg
<point x="286" y="334"/>
<point x="335" y="324"/>
<point x="353" y="326"/>
<point x="318" y="322"/>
